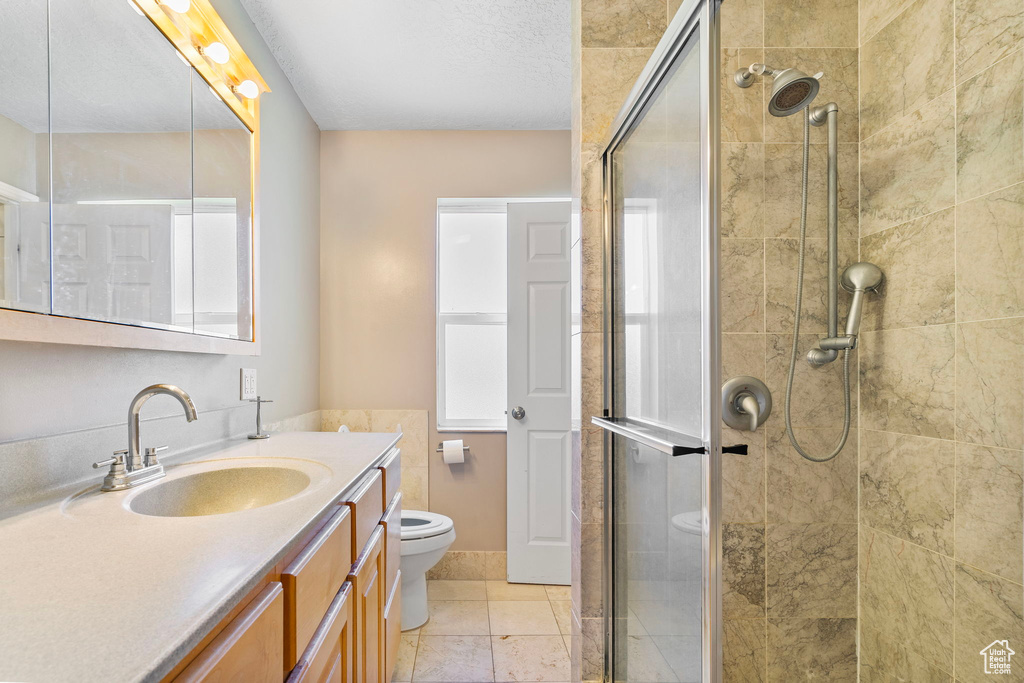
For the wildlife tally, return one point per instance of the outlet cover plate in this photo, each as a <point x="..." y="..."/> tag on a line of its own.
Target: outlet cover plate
<point x="248" y="384"/>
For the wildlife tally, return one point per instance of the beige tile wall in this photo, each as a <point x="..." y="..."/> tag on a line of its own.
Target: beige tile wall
<point x="612" y="41"/>
<point x="415" y="489"/>
<point x="942" y="357"/>
<point x="790" y="536"/>
<point x="790" y="533"/>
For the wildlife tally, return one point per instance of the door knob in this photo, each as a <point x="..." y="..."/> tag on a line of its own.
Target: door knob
<point x="518" y="413"/>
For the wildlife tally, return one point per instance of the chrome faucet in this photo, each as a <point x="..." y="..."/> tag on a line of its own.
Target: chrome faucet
<point x="127" y="467"/>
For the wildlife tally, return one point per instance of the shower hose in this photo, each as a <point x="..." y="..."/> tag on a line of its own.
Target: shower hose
<point x="796" y="323"/>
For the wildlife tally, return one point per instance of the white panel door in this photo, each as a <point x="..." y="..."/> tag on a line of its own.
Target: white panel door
<point x="539" y="446"/>
<point x="113" y="262"/>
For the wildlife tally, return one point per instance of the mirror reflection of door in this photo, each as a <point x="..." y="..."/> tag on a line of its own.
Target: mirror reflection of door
<point x="112" y="262"/>
<point x="116" y="150"/>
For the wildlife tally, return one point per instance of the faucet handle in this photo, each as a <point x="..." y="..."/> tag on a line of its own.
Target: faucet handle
<point x="117" y="475"/>
<point x="115" y="462"/>
<point x="151" y="454"/>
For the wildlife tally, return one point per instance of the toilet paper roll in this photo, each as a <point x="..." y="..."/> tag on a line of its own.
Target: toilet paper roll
<point x="453" y="453"/>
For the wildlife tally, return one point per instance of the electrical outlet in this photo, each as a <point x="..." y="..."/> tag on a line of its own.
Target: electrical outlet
<point x="248" y="384"/>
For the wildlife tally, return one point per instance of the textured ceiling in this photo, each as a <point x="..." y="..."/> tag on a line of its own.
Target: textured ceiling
<point x="424" y="64"/>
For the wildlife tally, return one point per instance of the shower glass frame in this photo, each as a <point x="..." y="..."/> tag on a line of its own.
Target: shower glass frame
<point x="694" y="19"/>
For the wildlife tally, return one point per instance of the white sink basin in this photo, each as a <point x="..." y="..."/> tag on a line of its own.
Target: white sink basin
<point x="219" y="491"/>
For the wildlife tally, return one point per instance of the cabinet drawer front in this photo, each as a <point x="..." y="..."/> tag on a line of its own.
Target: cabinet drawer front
<point x="367" y="579"/>
<point x="393" y="550"/>
<point x="249" y="649"/>
<point x="366" y="505"/>
<point x="329" y="655"/>
<point x="313" y="579"/>
<point x="393" y="628"/>
<point x="391" y="468"/>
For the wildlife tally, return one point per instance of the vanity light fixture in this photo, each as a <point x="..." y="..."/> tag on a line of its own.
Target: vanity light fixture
<point x="247" y="89"/>
<point x="216" y="52"/>
<point x="179" y="6"/>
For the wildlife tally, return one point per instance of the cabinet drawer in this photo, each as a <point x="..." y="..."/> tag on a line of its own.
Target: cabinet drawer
<point x="329" y="655"/>
<point x="391" y="468"/>
<point x="250" y="648"/>
<point x="393" y="546"/>
<point x="313" y="579"/>
<point x="393" y="628"/>
<point x="367" y="579"/>
<point x="366" y="504"/>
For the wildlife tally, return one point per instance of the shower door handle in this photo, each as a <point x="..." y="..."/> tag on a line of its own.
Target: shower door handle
<point x="653" y="436"/>
<point x="739" y="449"/>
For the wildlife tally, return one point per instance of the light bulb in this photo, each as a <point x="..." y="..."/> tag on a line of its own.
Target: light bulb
<point x="248" y="89"/>
<point x="217" y="52"/>
<point x="138" y="10"/>
<point x="179" y="6"/>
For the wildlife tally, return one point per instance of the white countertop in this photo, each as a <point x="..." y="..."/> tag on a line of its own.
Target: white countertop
<point x="92" y="591"/>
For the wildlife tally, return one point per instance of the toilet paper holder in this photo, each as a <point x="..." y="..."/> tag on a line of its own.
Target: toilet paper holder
<point x="440" y="448"/>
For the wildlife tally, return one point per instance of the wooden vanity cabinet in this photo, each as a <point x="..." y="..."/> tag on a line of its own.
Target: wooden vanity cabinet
<point x="313" y="580"/>
<point x="329" y="611"/>
<point x="367" y="506"/>
<point x="391" y="468"/>
<point x="367" y="578"/>
<point x="392" y="522"/>
<point x="330" y="655"/>
<point x="393" y="627"/>
<point x="250" y="649"/>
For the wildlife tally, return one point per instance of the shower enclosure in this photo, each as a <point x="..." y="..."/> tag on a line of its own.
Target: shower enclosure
<point x="661" y="354"/>
<point x="862" y="526"/>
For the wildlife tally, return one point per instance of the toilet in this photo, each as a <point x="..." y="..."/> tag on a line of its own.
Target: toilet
<point x="426" y="536"/>
<point x="689" y="522"/>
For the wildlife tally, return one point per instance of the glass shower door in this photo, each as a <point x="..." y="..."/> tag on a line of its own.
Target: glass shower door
<point x="662" y="362"/>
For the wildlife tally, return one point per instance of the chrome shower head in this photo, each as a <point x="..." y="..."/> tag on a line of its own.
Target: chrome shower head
<point x="792" y="89"/>
<point x="862" y="276"/>
<point x="791" y="92"/>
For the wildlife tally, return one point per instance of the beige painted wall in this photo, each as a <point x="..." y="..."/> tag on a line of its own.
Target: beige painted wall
<point x="379" y="192"/>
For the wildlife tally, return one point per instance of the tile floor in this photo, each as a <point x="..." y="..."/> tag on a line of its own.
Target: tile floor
<point x="482" y="631"/>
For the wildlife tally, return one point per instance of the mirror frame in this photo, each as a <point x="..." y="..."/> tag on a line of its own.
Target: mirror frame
<point x="186" y="32"/>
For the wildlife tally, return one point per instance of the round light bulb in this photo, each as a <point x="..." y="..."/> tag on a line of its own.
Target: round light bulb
<point x="248" y="89"/>
<point x="179" y="6"/>
<point x="217" y="52"/>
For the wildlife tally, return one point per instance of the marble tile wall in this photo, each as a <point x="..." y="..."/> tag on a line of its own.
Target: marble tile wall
<point x="942" y="355"/>
<point x="415" y="486"/>
<point x="612" y="41"/>
<point x="790" y="534"/>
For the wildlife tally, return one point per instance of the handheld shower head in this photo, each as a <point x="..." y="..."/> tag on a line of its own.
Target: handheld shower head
<point x="859" y="278"/>
<point x="792" y="89"/>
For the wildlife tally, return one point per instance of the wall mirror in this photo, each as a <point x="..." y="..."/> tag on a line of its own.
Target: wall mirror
<point x="128" y="149"/>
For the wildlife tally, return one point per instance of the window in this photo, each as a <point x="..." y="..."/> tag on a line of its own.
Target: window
<point x="472" y="316"/>
<point x="642" y="305"/>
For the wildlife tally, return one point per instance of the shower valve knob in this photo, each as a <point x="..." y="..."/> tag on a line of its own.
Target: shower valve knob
<point x="746" y="403"/>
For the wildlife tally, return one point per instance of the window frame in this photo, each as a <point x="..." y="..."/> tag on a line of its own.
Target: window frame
<point x="467" y="205"/>
<point x="442" y="320"/>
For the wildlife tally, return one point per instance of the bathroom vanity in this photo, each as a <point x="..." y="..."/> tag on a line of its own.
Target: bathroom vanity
<point x="258" y="561"/>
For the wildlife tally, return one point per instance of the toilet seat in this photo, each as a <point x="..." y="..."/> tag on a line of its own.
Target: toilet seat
<point x="689" y="522"/>
<point x="418" y="524"/>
